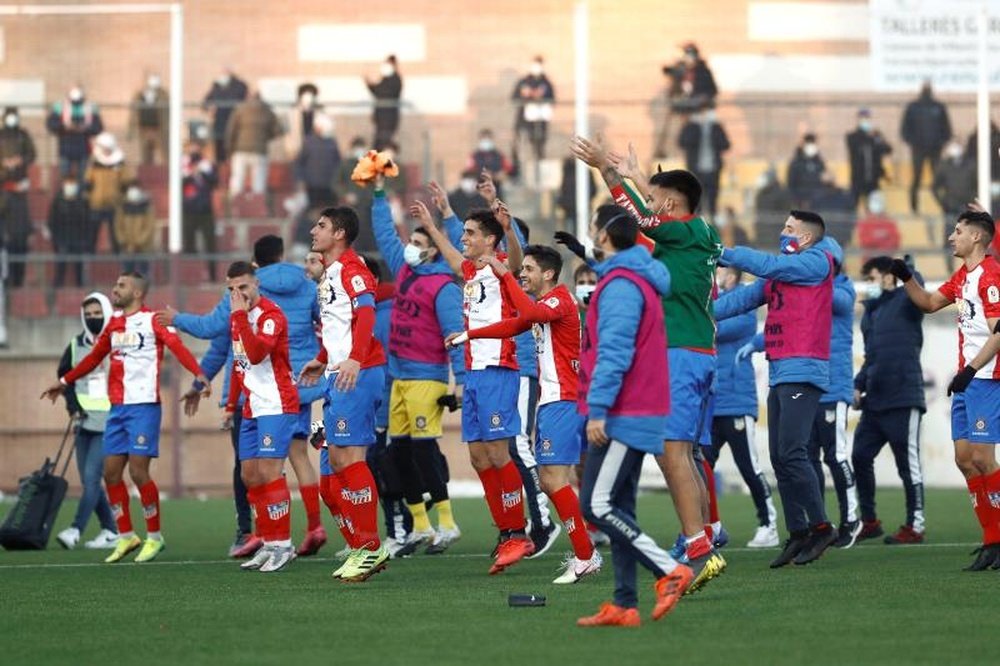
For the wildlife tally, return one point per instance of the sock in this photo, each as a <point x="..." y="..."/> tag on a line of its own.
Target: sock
<point x="697" y="545"/>
<point x="359" y="485"/>
<point x="710" y="533"/>
<point x="976" y="486"/>
<point x="421" y="522"/>
<point x="310" y="498"/>
<point x="446" y="521"/>
<point x="510" y="502"/>
<point x="490" y="478"/>
<point x="118" y="499"/>
<point x="263" y="525"/>
<point x="991" y="495"/>
<point x="568" y="508"/>
<point x="328" y="491"/>
<point x="276" y="501"/>
<point x="149" y="495"/>
<point x="713" y="503"/>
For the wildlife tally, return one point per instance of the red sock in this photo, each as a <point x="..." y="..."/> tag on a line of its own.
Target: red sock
<point x="991" y="495"/>
<point x="149" y="495"/>
<point x="490" y="479"/>
<point x="713" y="504"/>
<point x="979" y="503"/>
<point x="310" y="497"/>
<point x="510" y="498"/>
<point x="275" y="502"/>
<point x="261" y="522"/>
<point x="360" y="486"/>
<point x="332" y="493"/>
<point x="118" y="499"/>
<point x="568" y="508"/>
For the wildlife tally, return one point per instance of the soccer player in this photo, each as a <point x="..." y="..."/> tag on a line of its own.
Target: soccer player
<point x="262" y="372"/>
<point x="734" y="419"/>
<point x="624" y="393"/>
<point x="552" y="318"/>
<point x="428" y="308"/>
<point x="689" y="248"/>
<point x="283" y="284"/>
<point x="975" y="407"/>
<point x="797" y="286"/>
<point x="135" y="341"/>
<point x="489" y="405"/>
<point x="354" y="364"/>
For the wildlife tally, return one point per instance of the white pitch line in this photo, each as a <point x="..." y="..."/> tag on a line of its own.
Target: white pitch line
<point x="174" y="563"/>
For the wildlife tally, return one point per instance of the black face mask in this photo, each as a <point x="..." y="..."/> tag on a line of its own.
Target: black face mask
<point x="94" y="324"/>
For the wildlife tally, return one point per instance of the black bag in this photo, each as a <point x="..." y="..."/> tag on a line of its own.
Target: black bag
<point x="29" y="524"/>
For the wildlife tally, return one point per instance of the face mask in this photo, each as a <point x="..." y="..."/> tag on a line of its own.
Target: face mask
<point x="153" y="82"/>
<point x="76" y="95"/>
<point x="413" y="255"/>
<point x="386" y="69"/>
<point x="70" y="190"/>
<point x="810" y="150"/>
<point x="709" y="116"/>
<point x="873" y="291"/>
<point x="486" y="144"/>
<point x="763" y="181"/>
<point x="133" y="195"/>
<point x="94" y="324"/>
<point x="995" y="190"/>
<point x="223" y="80"/>
<point x="308" y="99"/>
<point x="536" y="69"/>
<point x="468" y="185"/>
<point x="865" y="125"/>
<point x="954" y="151"/>
<point x="789" y="244"/>
<point x="359" y="153"/>
<point x="11" y="121"/>
<point x="584" y="292"/>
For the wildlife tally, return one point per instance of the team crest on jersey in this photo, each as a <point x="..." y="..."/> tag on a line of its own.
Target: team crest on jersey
<point x="341" y="424"/>
<point x="421" y="422"/>
<point x="993" y="294"/>
<point x="267" y="442"/>
<point x="739" y="424"/>
<point x="495" y="420"/>
<point x="830" y="416"/>
<point x="546" y="444"/>
<point x="980" y="425"/>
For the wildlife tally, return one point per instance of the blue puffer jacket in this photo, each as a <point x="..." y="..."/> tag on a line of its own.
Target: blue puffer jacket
<point x="289" y="287"/>
<point x="736" y="387"/>
<point x="383" y="312"/>
<point x="842" y="343"/>
<point x="809" y="267"/>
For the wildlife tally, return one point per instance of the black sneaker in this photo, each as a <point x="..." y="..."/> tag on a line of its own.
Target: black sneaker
<point x="986" y="557"/>
<point x="793" y="546"/>
<point x="543" y="539"/>
<point x="847" y="534"/>
<point x="819" y="541"/>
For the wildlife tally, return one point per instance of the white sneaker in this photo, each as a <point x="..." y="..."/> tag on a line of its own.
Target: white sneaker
<point x="259" y="558"/>
<point x="766" y="536"/>
<point x="577" y="569"/>
<point x="68" y="538"/>
<point x="280" y="556"/>
<point x="398" y="549"/>
<point x="105" y="539"/>
<point x="443" y="539"/>
<point x="599" y="538"/>
<point x="422" y="537"/>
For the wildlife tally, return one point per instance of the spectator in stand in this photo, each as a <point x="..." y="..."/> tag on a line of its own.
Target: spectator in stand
<point x="693" y="84"/>
<point x="466" y="197"/>
<point x="487" y="157"/>
<point x="198" y="179"/>
<point x="533" y="96"/>
<point x="318" y="163"/>
<point x="70" y="229"/>
<point x="926" y="129"/>
<point x="866" y="148"/>
<point x="135" y="227"/>
<point x="251" y="128"/>
<point x="731" y="231"/>
<point x="150" y="120"/>
<point x="301" y="118"/>
<point x="74" y="121"/>
<point x="226" y="93"/>
<point x="771" y="202"/>
<point x="972" y="152"/>
<point x="703" y="141"/>
<point x="17" y="153"/>
<point x="104" y="183"/>
<point x="387" y="92"/>
<point x="567" y="191"/>
<point x="877" y="232"/>
<point x="805" y="173"/>
<point x="954" y="185"/>
<point x="837" y="207"/>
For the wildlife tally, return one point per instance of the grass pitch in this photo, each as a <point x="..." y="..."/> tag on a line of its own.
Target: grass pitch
<point x="872" y="604"/>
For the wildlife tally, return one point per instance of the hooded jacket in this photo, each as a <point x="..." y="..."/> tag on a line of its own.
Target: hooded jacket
<point x="808" y="267"/>
<point x="288" y="286"/>
<point x="621" y="307"/>
<point x="736" y="387"/>
<point x="84" y="342"/>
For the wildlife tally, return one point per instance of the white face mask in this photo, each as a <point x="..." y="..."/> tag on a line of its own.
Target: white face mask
<point x="10" y="120"/>
<point x="133" y="195"/>
<point x="153" y="82"/>
<point x="413" y="255"/>
<point x="468" y="185"/>
<point x="873" y="290"/>
<point x="359" y="153"/>
<point x="584" y="292"/>
<point x="865" y="125"/>
<point x="76" y="95"/>
<point x="954" y="151"/>
<point x="486" y="144"/>
<point x="308" y="99"/>
<point x="223" y="80"/>
<point x="536" y="69"/>
<point x="810" y="150"/>
<point x="387" y="69"/>
<point x="70" y="190"/>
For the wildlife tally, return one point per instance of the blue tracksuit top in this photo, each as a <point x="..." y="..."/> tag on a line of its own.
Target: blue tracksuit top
<point x="288" y="286"/>
<point x="447" y="304"/>
<point x="736" y="387"/>
<point x="621" y="306"/>
<point x="808" y="267"/>
<point x="842" y="343"/>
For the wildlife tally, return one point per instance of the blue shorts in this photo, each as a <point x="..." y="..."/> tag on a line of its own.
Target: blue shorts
<point x="303" y="422"/>
<point x="349" y="416"/>
<point x="975" y="414"/>
<point x="133" y="430"/>
<point x="266" y="436"/>
<point x="489" y="405"/>
<point x="692" y="382"/>
<point x="557" y="435"/>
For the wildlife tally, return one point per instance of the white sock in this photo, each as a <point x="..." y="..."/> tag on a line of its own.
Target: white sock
<point x="155" y="536"/>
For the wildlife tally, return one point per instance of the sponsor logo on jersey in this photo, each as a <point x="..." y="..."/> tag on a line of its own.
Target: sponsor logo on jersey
<point x="267" y="442"/>
<point x="140" y="440"/>
<point x="341" y="425"/>
<point x="268" y="328"/>
<point x="980" y="425"/>
<point x="993" y="294"/>
<point x="552" y="302"/>
<point x="546" y="444"/>
<point x="126" y="341"/>
<point x="495" y="420"/>
<point x="277" y="511"/>
<point x="358" y="283"/>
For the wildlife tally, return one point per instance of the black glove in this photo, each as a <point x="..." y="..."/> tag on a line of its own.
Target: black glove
<point x="571" y="243"/>
<point x="451" y="401"/>
<point x="317" y="435"/>
<point x="961" y="380"/>
<point x="900" y="270"/>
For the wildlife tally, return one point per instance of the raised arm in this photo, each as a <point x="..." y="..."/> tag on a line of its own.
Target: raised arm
<point x="512" y="236"/>
<point x="386" y="236"/>
<point x="801" y="268"/>
<point x="744" y="298"/>
<point x="257" y="346"/>
<point x="927" y="301"/>
<point x="419" y="212"/>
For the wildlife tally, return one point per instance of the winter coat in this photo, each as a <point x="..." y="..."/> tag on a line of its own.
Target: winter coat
<point x="251" y="127"/>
